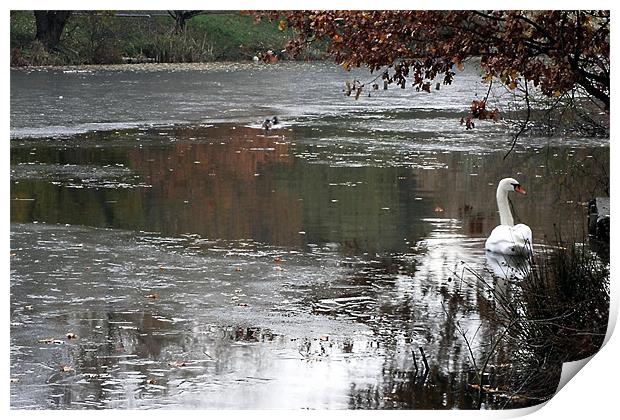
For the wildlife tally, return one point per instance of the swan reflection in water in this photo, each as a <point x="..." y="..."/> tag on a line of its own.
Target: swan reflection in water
<point x="506" y="270"/>
<point x="508" y="267"/>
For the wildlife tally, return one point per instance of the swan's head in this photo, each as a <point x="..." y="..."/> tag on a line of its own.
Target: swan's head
<point x="510" y="184"/>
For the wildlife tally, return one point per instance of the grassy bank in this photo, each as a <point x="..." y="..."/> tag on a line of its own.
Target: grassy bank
<point x="110" y="38"/>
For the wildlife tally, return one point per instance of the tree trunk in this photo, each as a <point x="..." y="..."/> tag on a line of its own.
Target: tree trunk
<point x="179" y="23"/>
<point x="50" y="24"/>
<point x="181" y="17"/>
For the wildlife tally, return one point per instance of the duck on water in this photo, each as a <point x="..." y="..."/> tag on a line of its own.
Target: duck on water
<point x="270" y="123"/>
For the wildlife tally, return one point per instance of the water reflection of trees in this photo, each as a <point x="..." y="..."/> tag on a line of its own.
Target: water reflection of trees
<point x="214" y="182"/>
<point x="403" y="308"/>
<point x="234" y="182"/>
<point x="403" y="389"/>
<point x="227" y="182"/>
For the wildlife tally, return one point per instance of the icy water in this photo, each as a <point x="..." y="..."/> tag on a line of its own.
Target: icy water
<point x="166" y="252"/>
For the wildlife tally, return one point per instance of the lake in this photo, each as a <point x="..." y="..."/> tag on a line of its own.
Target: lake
<point x="168" y="252"/>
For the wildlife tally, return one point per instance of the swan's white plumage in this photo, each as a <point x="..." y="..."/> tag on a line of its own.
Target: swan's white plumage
<point x="507" y="238"/>
<point x="510" y="240"/>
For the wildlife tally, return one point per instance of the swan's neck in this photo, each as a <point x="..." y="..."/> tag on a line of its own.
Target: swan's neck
<point x="505" y="215"/>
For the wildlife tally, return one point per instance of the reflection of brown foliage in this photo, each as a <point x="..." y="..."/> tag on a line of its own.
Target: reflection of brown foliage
<point x="210" y="182"/>
<point x="475" y="225"/>
<point x="475" y="221"/>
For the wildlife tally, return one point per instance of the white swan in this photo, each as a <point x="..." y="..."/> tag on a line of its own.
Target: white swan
<point x="508" y="238"/>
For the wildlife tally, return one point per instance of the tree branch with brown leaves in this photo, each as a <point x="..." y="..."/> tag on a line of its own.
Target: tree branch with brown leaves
<point x="557" y="51"/>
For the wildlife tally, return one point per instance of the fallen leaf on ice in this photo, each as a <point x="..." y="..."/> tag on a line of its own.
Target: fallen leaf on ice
<point x="176" y="363"/>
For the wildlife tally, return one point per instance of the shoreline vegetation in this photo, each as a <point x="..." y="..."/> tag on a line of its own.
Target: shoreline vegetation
<point x="111" y="37"/>
<point x="558" y="312"/>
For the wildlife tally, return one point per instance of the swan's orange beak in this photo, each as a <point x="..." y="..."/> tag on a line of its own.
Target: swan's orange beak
<point x="520" y="190"/>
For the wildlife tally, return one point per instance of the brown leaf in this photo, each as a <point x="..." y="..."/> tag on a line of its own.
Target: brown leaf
<point x="176" y="363"/>
<point x="65" y="368"/>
